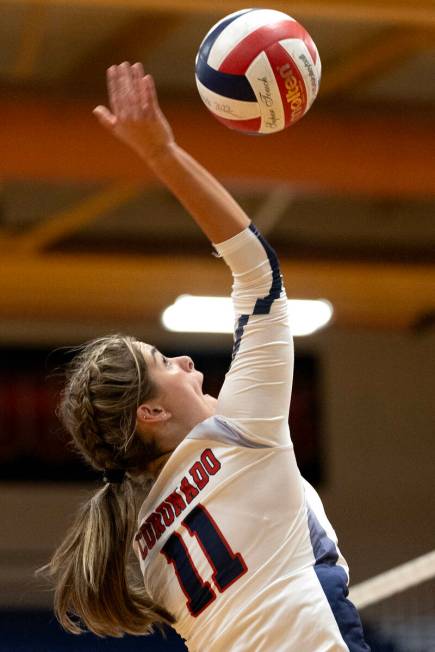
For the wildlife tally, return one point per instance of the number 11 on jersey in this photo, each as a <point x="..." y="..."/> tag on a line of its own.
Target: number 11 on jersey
<point x="227" y="565"/>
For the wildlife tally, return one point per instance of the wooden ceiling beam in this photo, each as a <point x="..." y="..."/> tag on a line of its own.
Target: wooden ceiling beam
<point x="419" y="12"/>
<point x="340" y="149"/>
<point x="66" y="222"/>
<point x="32" y="38"/>
<point x="85" y="288"/>
<point x="141" y="35"/>
<point x="373" y="58"/>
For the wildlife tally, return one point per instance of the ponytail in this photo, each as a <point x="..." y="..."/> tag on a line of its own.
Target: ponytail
<point x="94" y="584"/>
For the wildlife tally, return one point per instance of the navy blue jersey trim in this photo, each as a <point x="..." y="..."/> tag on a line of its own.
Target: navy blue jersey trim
<point x="263" y="305"/>
<point x="243" y="320"/>
<point x="333" y="580"/>
<point x="325" y="550"/>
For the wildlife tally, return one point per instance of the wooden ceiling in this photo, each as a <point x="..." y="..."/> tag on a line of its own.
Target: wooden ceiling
<point x="89" y="242"/>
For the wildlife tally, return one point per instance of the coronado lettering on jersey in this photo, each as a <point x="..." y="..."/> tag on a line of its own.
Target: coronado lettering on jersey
<point x="176" y="502"/>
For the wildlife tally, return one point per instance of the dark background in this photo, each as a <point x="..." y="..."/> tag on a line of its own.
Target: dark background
<point x="34" y="446"/>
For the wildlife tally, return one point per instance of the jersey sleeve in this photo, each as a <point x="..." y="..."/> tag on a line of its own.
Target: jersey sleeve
<point x="255" y="396"/>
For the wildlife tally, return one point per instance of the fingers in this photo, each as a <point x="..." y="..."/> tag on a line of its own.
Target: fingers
<point x="129" y="97"/>
<point x="123" y="87"/>
<point x="152" y="93"/>
<point x="104" y="116"/>
<point x="138" y="76"/>
<point x="145" y="88"/>
<point x="112" y="90"/>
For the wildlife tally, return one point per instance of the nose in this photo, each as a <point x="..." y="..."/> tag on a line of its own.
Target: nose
<point x="186" y="363"/>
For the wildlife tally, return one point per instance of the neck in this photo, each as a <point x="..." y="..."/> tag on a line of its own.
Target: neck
<point x="155" y="467"/>
<point x="171" y="433"/>
<point x="176" y="429"/>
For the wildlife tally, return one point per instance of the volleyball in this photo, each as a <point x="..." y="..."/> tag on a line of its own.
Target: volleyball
<point x="258" y="71"/>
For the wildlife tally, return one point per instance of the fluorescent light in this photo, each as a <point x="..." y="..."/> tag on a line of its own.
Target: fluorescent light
<point x="309" y="316"/>
<point x="191" y="314"/>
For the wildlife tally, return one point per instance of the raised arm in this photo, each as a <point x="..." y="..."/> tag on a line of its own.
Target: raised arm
<point x="136" y="119"/>
<point x="255" y="396"/>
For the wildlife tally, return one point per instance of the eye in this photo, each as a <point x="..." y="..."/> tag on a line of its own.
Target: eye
<point x="166" y="362"/>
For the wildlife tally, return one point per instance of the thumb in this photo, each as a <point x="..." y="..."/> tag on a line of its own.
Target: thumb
<point x="105" y="117"/>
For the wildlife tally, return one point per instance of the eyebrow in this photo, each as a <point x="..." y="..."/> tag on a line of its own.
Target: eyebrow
<point x="153" y="352"/>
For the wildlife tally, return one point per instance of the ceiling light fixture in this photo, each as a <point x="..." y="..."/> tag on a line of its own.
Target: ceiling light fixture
<point x="193" y="314"/>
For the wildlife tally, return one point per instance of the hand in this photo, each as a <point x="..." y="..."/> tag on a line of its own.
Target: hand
<point x="135" y="117"/>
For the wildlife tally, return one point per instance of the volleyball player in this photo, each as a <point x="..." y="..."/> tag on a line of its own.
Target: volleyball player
<point x="235" y="549"/>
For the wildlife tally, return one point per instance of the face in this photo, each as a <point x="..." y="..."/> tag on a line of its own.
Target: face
<point x="180" y="403"/>
<point x="177" y="379"/>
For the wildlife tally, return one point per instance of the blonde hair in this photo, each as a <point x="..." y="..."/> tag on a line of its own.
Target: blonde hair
<point x="92" y="569"/>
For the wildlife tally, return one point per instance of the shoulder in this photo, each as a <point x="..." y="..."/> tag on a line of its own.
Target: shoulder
<point x="222" y="430"/>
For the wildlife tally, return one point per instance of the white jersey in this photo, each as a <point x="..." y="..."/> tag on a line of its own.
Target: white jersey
<point x="231" y="540"/>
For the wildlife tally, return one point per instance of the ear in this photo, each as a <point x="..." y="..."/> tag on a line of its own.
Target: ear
<point x="150" y="413"/>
